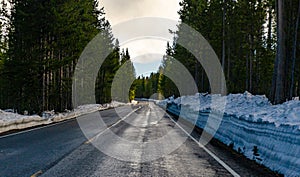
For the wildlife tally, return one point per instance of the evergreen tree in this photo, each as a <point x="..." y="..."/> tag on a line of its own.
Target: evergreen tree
<point x="45" y="40"/>
<point x="236" y="31"/>
<point x="123" y="86"/>
<point x="285" y="83"/>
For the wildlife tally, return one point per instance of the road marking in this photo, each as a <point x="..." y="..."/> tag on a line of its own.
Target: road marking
<point x="230" y="170"/>
<point x="50" y="125"/>
<point x="116" y="123"/>
<point x="37" y="173"/>
<point x="37" y="128"/>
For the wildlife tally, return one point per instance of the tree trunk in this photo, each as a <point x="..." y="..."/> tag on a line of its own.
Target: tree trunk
<point x="270" y="18"/>
<point x="197" y="73"/>
<point x="279" y="71"/>
<point x="228" y="62"/>
<point x="294" y="53"/>
<point x="251" y="42"/>
<point x="223" y="42"/>
<point x="247" y="72"/>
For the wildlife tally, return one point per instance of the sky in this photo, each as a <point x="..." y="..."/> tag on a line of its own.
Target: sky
<point x="146" y="54"/>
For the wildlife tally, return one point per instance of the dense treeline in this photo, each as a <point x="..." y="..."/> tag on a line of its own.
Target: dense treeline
<point x="244" y="36"/>
<point x="41" y="47"/>
<point x="257" y="42"/>
<point x="123" y="86"/>
<point x="145" y="87"/>
<point x="286" y="77"/>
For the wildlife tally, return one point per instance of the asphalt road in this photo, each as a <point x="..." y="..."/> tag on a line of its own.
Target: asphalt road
<point x="26" y="153"/>
<point x="125" y="148"/>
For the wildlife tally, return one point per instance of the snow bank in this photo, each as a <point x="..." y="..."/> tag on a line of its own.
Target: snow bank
<point x="266" y="133"/>
<point x="12" y="121"/>
<point x="245" y="106"/>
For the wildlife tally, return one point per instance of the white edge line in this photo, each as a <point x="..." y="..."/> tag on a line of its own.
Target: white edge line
<point x="37" y="128"/>
<point x="49" y="125"/>
<point x="230" y="170"/>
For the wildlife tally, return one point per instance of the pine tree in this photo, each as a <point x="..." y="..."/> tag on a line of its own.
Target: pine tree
<point x="123" y="86"/>
<point x="45" y="41"/>
<point x="235" y="30"/>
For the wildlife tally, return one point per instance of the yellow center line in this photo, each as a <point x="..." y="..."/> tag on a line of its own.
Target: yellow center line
<point x="37" y="173"/>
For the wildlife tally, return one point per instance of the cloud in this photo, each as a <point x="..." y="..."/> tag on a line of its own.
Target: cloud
<point x="145" y="53"/>
<point x="146" y="69"/>
<point x="123" y="10"/>
<point x="146" y="50"/>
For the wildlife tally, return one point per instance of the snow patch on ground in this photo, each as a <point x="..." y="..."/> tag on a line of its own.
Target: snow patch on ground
<point x="255" y="108"/>
<point x="266" y="133"/>
<point x="12" y="121"/>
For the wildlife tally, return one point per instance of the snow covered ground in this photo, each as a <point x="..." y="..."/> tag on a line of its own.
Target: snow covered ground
<point x="13" y="121"/>
<point x="269" y="134"/>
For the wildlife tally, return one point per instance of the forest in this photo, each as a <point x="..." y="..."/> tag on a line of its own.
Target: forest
<point x="40" y="46"/>
<point x="257" y="42"/>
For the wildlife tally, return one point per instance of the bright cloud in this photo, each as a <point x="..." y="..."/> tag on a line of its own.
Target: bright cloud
<point x="145" y="53"/>
<point x="123" y="10"/>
